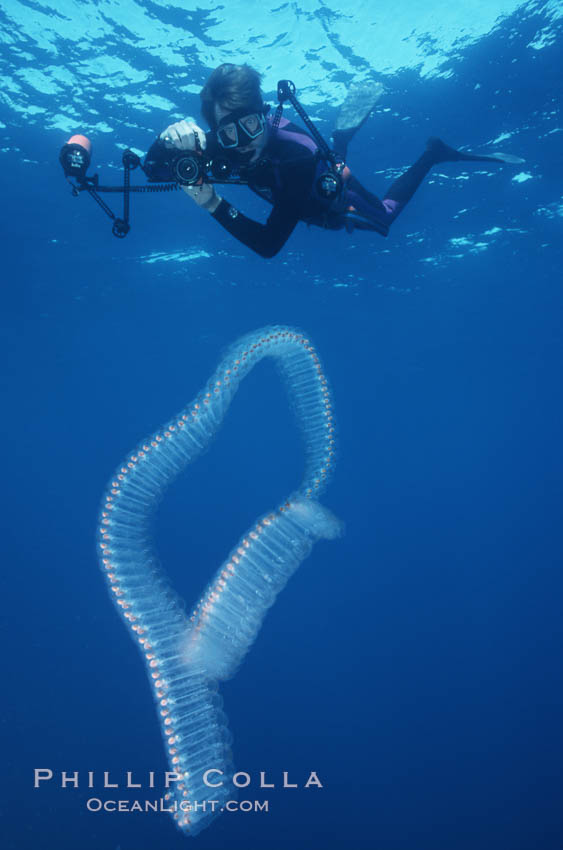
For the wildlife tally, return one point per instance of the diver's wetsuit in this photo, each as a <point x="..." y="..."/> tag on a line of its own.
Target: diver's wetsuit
<point x="287" y="180"/>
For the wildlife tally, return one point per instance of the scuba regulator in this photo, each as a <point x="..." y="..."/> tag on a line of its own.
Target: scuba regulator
<point x="167" y="167"/>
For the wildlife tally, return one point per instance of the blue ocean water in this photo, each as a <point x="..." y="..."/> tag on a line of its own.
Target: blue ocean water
<point x="415" y="663"/>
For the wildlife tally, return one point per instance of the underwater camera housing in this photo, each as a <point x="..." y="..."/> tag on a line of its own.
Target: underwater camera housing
<point x="166" y="164"/>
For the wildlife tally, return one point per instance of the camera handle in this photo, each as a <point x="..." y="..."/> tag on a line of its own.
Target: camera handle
<point x="329" y="184"/>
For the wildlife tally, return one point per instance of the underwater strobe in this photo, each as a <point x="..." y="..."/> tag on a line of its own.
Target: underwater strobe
<point x="75" y="157"/>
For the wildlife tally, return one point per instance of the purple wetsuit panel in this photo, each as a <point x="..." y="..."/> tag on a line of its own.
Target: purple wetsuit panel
<point x="292" y="136"/>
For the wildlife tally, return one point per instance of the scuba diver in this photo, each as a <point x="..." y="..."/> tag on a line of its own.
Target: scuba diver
<point x="281" y="161"/>
<point x="292" y="168"/>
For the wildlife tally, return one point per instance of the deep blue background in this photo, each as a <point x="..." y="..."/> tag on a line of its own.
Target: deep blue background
<point x="416" y="663"/>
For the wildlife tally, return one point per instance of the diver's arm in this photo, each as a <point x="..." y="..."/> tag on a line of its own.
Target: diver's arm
<point x="264" y="239"/>
<point x="204" y="196"/>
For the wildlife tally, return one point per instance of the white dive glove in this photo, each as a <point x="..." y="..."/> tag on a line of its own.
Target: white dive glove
<point x="187" y="136"/>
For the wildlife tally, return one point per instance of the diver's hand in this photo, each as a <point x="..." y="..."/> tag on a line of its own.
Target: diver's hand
<point x="184" y="135"/>
<point x="204" y="195"/>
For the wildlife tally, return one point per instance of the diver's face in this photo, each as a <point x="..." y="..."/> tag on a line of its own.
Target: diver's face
<point x="257" y="145"/>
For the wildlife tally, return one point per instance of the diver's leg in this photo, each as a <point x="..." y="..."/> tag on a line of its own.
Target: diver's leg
<point x="401" y="191"/>
<point x="363" y="210"/>
<point x="354" y="112"/>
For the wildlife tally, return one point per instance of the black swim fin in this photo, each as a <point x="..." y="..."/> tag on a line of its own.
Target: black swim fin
<point x="441" y="152"/>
